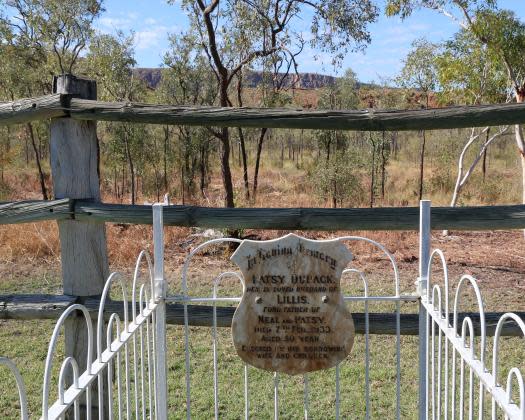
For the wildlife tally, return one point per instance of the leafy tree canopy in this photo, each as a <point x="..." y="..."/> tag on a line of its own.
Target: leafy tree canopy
<point x="468" y="72"/>
<point x="43" y="26"/>
<point x="419" y="68"/>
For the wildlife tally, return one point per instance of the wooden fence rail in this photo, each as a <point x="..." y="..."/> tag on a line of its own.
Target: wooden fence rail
<point x="26" y="307"/>
<point x="65" y="105"/>
<point x="387" y="218"/>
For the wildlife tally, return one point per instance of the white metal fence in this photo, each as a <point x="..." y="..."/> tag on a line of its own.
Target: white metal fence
<point x="460" y="375"/>
<point x="121" y="380"/>
<point x="125" y="375"/>
<point x="20" y="387"/>
<point x="186" y="298"/>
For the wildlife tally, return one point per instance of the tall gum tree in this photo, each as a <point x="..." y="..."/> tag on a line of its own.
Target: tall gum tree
<point x="188" y="80"/>
<point x="419" y="72"/>
<point x="499" y="30"/>
<point x="225" y="27"/>
<point x="110" y="60"/>
<point x="39" y="38"/>
<point x="468" y="75"/>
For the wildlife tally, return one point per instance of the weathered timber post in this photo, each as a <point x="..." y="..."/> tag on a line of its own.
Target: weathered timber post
<point x="74" y="163"/>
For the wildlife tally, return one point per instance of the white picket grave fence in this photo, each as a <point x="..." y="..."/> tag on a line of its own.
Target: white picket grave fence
<point x="126" y="374"/>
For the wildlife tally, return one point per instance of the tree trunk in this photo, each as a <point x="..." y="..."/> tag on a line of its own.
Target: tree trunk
<point x="225" y="168"/>
<point x="422" y="164"/>
<point x="224" y="138"/>
<point x="165" y="168"/>
<point x="521" y="146"/>
<point x="131" y="168"/>
<point x="484" y="163"/>
<point x="38" y="163"/>
<point x="115" y="185"/>
<point x="334" y="193"/>
<point x="26" y="148"/>
<point x="301" y="146"/>
<point x="520" y="97"/>
<point x="372" y="177"/>
<point x="462" y="177"/>
<point x="123" y="189"/>
<point x="244" y="164"/>
<point x="383" y="167"/>
<point x="8" y="140"/>
<point x="155" y="172"/>
<point x="202" y="167"/>
<point x="260" y="142"/>
<point x="232" y="152"/>
<point x="282" y="153"/>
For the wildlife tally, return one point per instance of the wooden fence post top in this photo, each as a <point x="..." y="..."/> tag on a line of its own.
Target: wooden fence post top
<point x="77" y="86"/>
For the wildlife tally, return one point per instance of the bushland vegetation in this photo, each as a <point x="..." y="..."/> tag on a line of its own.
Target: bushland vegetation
<point x="269" y="167"/>
<point x="209" y="65"/>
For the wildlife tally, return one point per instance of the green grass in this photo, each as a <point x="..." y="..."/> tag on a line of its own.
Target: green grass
<point x="26" y="343"/>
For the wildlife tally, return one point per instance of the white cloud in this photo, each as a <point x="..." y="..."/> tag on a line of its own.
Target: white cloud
<point x="150" y="38"/>
<point x="112" y="23"/>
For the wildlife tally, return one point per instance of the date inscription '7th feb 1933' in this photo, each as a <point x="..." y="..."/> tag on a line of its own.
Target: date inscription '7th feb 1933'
<point x="292" y="317"/>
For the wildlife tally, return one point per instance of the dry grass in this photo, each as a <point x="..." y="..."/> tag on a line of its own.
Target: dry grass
<point x="30" y="242"/>
<point x="286" y="186"/>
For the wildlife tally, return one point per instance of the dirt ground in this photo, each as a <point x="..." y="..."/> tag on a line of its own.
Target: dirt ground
<point x="496" y="258"/>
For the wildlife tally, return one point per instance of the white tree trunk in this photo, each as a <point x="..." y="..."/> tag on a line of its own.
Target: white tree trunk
<point x="521" y="147"/>
<point x="463" y="177"/>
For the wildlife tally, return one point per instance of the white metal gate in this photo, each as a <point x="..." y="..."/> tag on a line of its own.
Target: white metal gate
<point x="186" y="298"/>
<point x="130" y="372"/>
<point x="460" y="381"/>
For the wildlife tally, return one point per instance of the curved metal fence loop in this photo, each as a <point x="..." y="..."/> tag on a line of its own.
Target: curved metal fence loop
<point x="69" y="362"/>
<point x="468" y="279"/>
<point x="515" y="374"/>
<point x="384" y="250"/>
<point x="439" y="253"/>
<point x="143" y="256"/>
<point x="52" y="349"/>
<point x="21" y="388"/>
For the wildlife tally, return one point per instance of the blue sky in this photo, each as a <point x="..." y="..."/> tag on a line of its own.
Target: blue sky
<point x="153" y="20"/>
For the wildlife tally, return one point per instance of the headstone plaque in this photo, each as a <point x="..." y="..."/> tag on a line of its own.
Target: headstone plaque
<point x="292" y="317"/>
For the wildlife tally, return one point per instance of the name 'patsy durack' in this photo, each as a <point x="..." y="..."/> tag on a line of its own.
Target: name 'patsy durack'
<point x="292" y="317"/>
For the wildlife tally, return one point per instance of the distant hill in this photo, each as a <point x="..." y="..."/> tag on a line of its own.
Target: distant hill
<point x="152" y="77"/>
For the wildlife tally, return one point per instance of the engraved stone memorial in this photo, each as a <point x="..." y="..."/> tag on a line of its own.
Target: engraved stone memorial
<point x="292" y="317"/>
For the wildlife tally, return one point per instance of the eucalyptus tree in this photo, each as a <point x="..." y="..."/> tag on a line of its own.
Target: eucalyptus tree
<point x="276" y="81"/>
<point x="499" y="30"/>
<point x="419" y="72"/>
<point x="63" y="28"/>
<point x="188" y="80"/>
<point x="21" y="77"/>
<point x="38" y="39"/>
<point x="337" y="175"/>
<point x="110" y="60"/>
<point x="469" y="75"/>
<point x="226" y="27"/>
